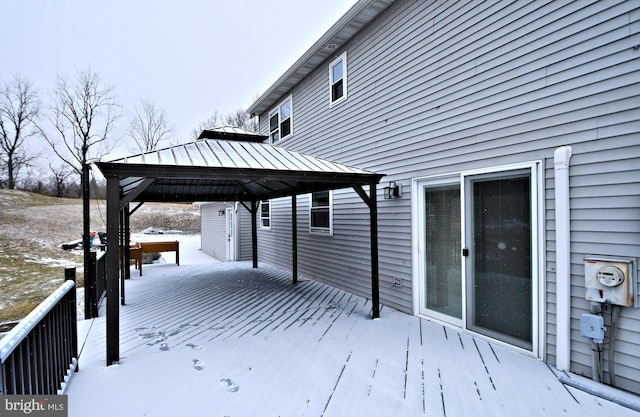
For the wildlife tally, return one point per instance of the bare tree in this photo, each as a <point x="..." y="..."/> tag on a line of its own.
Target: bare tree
<point x="241" y="118"/>
<point x="59" y="178"/>
<point x="212" y="121"/>
<point x="82" y="115"/>
<point x="238" y="118"/>
<point x="19" y="110"/>
<point x="149" y="126"/>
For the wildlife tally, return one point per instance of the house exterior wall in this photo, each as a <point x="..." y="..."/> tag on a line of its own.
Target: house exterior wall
<point x="214" y="231"/>
<point x="445" y="87"/>
<point x="245" y="247"/>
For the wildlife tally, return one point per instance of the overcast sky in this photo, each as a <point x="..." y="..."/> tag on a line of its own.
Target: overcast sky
<point x="190" y="56"/>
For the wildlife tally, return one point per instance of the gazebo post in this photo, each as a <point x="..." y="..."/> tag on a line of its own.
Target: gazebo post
<point x="373" y="218"/>
<point x="127" y="239"/>
<point x="112" y="256"/>
<point x="123" y="254"/>
<point x="294" y="238"/>
<point x="371" y="201"/>
<point x="254" y="232"/>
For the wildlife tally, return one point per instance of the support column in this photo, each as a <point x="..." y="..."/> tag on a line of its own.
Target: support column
<point x="86" y="221"/>
<point x="112" y="257"/>
<point x="373" y="218"/>
<point x="127" y="239"/>
<point x="254" y="232"/>
<point x="371" y="201"/>
<point x="123" y="254"/>
<point x="294" y="238"/>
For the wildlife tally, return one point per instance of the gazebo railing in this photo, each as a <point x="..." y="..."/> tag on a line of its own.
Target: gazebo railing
<point x="40" y="354"/>
<point x="96" y="286"/>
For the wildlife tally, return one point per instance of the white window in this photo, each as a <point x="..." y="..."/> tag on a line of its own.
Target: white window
<point x="280" y="121"/>
<point x="338" y="80"/>
<point x="321" y="213"/>
<point x="265" y="214"/>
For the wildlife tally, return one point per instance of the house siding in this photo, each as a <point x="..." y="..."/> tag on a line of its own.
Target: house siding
<point x="213" y="231"/>
<point x="244" y="234"/>
<point x="441" y="87"/>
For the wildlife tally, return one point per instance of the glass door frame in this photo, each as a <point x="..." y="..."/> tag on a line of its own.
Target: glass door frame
<point x="231" y="228"/>
<point x="538" y="286"/>
<point x="469" y="245"/>
<point x="420" y="250"/>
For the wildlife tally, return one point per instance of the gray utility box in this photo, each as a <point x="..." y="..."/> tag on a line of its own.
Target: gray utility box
<point x="592" y="327"/>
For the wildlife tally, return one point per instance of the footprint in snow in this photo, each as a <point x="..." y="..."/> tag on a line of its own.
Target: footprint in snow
<point x="229" y="385"/>
<point x="194" y="347"/>
<point x="198" y="364"/>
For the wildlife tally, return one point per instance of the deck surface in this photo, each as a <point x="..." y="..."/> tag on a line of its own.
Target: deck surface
<point x="223" y="339"/>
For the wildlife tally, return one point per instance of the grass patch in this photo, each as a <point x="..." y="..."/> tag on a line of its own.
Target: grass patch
<point x="32" y="229"/>
<point x="28" y="274"/>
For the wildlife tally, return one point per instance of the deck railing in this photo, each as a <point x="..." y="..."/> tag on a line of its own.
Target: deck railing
<point x="39" y="355"/>
<point x="96" y="286"/>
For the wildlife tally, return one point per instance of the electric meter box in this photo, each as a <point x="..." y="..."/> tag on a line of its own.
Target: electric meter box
<point x="610" y="280"/>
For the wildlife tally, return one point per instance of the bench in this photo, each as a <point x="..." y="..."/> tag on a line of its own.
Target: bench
<point x="137" y="250"/>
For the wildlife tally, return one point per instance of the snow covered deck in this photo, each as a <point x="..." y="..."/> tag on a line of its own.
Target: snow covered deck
<point x="223" y="339"/>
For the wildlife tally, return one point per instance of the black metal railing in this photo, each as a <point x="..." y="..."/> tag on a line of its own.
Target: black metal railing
<point x="96" y="287"/>
<point x="40" y="354"/>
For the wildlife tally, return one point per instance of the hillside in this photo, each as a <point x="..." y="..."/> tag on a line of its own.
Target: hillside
<point x="32" y="228"/>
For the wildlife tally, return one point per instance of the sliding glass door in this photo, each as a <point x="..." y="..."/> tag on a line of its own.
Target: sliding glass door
<point x="499" y="302"/>
<point x="443" y="289"/>
<point x="477" y="252"/>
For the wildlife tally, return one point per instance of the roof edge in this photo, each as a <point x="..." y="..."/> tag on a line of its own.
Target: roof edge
<point x="355" y="11"/>
<point x="233" y="134"/>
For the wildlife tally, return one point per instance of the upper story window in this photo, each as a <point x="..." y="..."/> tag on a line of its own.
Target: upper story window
<point x="338" y="79"/>
<point x="280" y="121"/>
<point x="321" y="213"/>
<point x="265" y="214"/>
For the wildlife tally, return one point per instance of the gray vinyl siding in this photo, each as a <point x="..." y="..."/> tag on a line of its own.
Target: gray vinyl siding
<point x="244" y="234"/>
<point x="441" y="87"/>
<point x="213" y="231"/>
<point x="605" y="221"/>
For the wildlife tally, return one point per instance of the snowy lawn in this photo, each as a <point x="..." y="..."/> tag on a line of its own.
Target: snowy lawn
<point x="222" y="339"/>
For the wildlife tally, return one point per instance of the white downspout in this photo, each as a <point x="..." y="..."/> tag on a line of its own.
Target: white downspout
<point x="561" y="158"/>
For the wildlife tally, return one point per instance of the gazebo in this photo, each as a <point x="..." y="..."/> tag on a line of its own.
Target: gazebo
<point x="223" y="165"/>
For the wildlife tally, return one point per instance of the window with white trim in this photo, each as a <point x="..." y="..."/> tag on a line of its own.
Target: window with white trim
<point x="321" y="213"/>
<point x="338" y="80"/>
<point x="265" y="214"/>
<point x="281" y="121"/>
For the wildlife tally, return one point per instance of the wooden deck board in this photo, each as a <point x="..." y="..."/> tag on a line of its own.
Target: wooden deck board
<point x="303" y="350"/>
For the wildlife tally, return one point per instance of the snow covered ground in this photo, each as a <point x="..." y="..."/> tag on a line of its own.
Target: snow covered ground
<point x="223" y="339"/>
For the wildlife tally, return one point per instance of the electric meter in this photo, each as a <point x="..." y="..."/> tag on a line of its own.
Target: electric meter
<point x="610" y="276"/>
<point x="610" y="280"/>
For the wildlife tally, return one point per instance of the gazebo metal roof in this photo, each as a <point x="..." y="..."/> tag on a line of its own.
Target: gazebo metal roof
<point x="215" y="169"/>
<point x="228" y="170"/>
